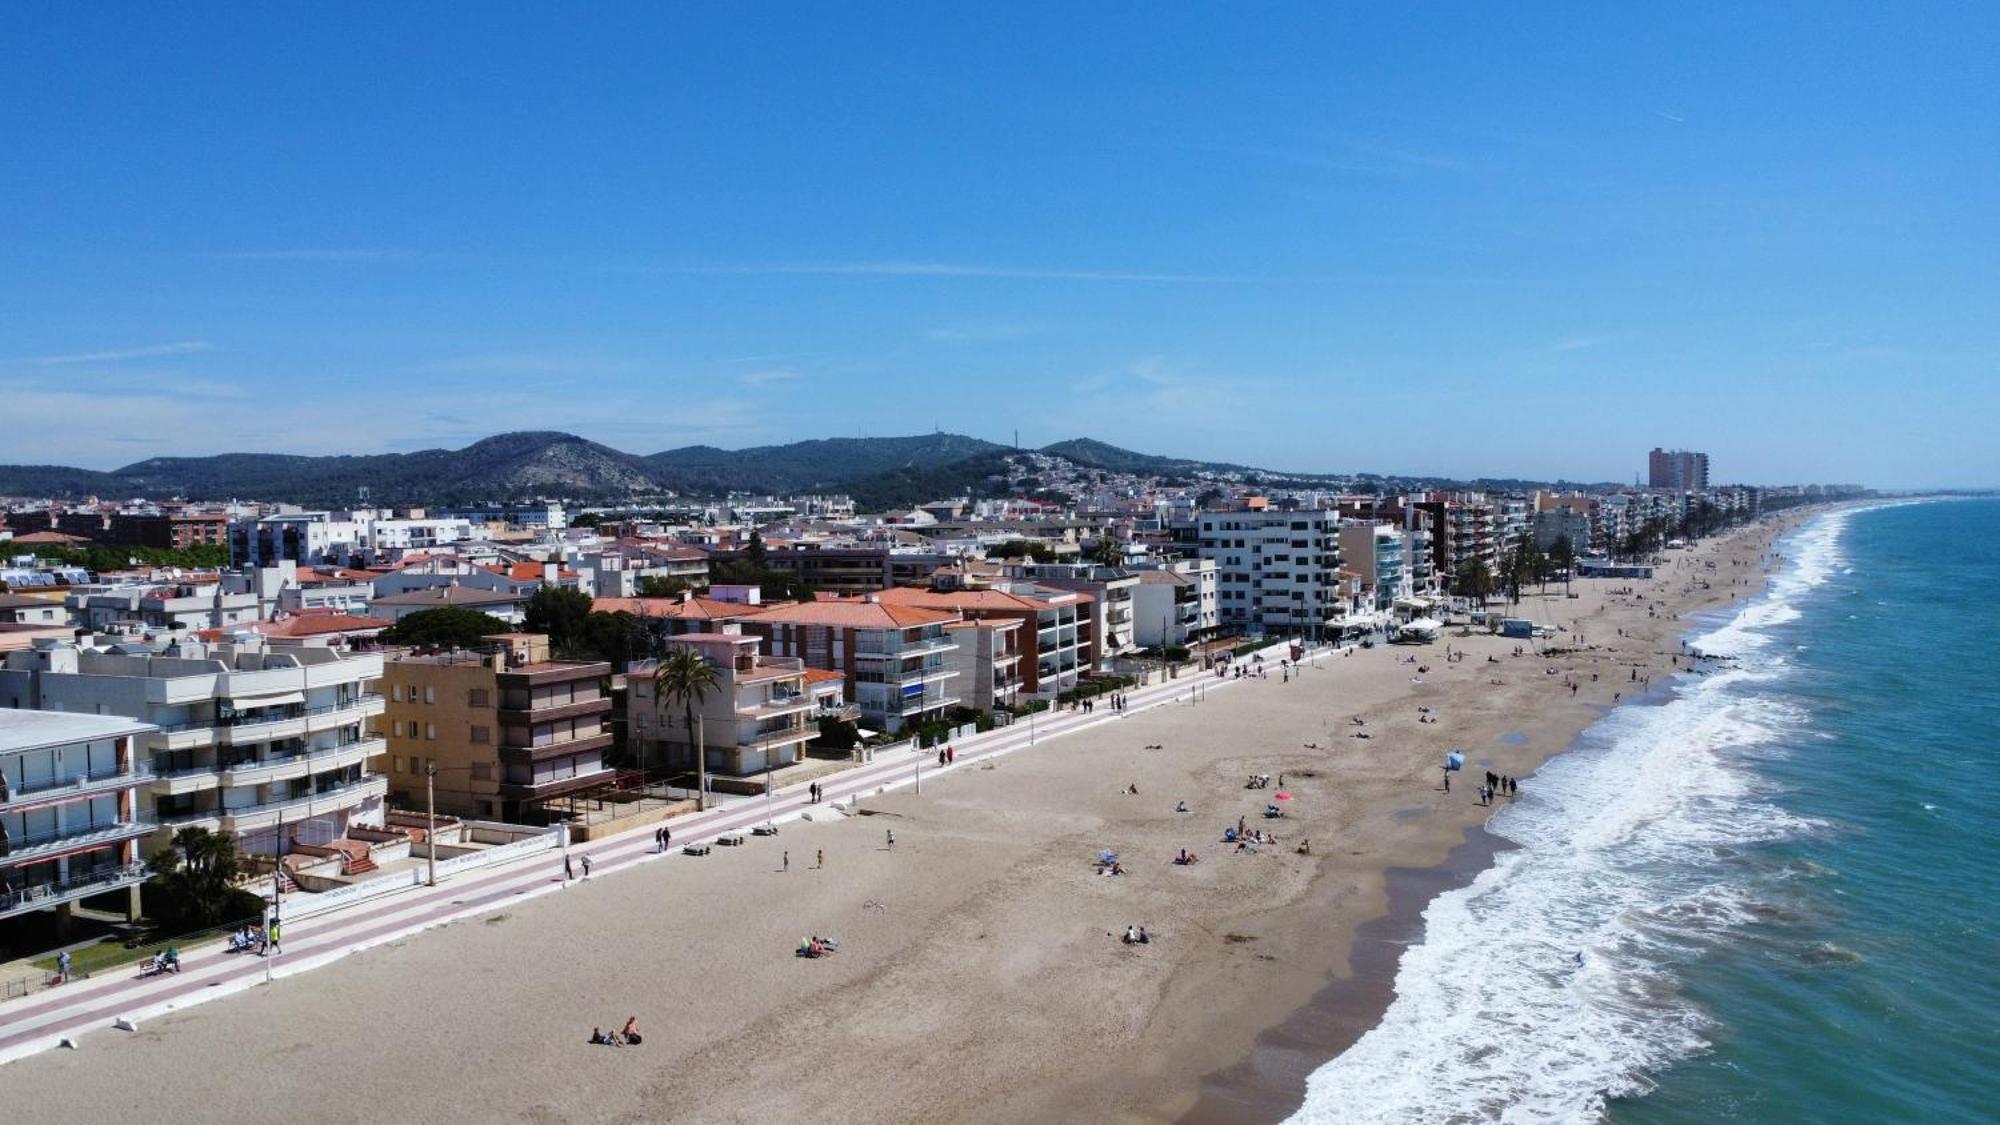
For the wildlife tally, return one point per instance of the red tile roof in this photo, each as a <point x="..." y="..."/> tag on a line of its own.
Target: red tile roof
<point x="855" y="613"/>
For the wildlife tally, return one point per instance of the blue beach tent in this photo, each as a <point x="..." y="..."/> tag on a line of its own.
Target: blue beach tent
<point x="1454" y="761"/>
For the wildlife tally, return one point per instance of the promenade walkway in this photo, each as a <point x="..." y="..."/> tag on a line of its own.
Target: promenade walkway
<point x="68" y="1011"/>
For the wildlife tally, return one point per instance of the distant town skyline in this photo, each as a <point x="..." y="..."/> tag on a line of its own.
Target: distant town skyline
<point x="1471" y="242"/>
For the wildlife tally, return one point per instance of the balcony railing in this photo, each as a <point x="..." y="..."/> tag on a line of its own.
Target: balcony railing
<point x="55" y="841"/>
<point x="50" y="894"/>
<point x="58" y="788"/>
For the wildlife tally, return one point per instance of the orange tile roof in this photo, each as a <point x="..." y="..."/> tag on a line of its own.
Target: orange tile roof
<point x="855" y="613"/>
<point x="978" y="601"/>
<point x="823" y="675"/>
<point x="306" y="625"/>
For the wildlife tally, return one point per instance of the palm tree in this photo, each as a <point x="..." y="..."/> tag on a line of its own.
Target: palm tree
<point x="683" y="677"/>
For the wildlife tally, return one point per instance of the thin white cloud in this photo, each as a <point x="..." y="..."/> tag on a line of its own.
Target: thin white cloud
<point x="978" y="334"/>
<point x="1673" y="117"/>
<point x="1575" y="344"/>
<point x="765" y="378"/>
<point x="150" y="351"/>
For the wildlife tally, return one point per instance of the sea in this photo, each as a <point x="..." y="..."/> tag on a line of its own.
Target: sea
<point x="1770" y="894"/>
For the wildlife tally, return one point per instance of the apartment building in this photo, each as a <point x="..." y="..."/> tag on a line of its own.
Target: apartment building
<point x="1175" y="603"/>
<point x="70" y="822"/>
<point x="757" y="717"/>
<point x="1377" y="554"/>
<point x="1276" y="571"/>
<point x="508" y="729"/>
<point x="254" y="738"/>
<point x="1679" y="470"/>
<point x="896" y="657"/>
<point x="1111" y="601"/>
<point x="988" y="659"/>
<point x="507" y="605"/>
<point x="184" y="604"/>
<point x="27" y="609"/>
<point x="1060" y="623"/>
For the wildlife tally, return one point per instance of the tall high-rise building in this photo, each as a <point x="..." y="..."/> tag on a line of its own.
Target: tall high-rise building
<point x="1680" y="470"/>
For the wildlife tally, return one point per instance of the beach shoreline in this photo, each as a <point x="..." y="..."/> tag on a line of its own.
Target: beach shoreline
<point x="980" y="977"/>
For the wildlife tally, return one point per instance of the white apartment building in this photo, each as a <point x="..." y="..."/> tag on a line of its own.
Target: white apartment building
<point x="757" y="717"/>
<point x="1276" y="571"/>
<point x="347" y="538"/>
<point x="69" y="817"/>
<point x="163" y="605"/>
<point x="253" y="736"/>
<point x="897" y="658"/>
<point x="1175" y="603"/>
<point x="1113" y="615"/>
<point x="1379" y="556"/>
<point x="988" y="660"/>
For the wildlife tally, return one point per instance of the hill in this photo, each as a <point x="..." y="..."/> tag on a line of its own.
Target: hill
<point x="1095" y="454"/>
<point x="808" y="466"/>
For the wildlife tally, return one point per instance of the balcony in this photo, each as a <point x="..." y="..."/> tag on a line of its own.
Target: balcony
<point x="775" y="739"/>
<point x="553" y="711"/>
<point x="253" y="818"/>
<point x="778" y="705"/>
<point x="182" y="736"/>
<point x="542" y="751"/>
<point x="335" y="715"/>
<point x="288" y="766"/>
<point x="255" y="729"/>
<point x="44" y="895"/>
<point x="907" y="648"/>
<point x="55" y="842"/>
<point x="57" y="791"/>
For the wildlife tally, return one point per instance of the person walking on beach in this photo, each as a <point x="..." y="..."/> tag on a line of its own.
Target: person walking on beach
<point x="1447" y="782"/>
<point x="892" y="839"/>
<point x="586" y="866"/>
<point x="272" y="935"/>
<point x="819" y="858"/>
<point x="788" y="862"/>
<point x="568" y="872"/>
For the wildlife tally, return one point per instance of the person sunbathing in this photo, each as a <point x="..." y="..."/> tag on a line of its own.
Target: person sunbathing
<point x="631" y="1031"/>
<point x="1305" y="847"/>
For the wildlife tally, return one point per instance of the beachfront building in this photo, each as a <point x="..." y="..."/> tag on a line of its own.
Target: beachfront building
<point x="256" y="737"/>
<point x="1375" y="552"/>
<point x="1175" y="603"/>
<point x="1278" y="572"/>
<point x="988" y="660"/>
<point x="1678" y="470"/>
<point x="757" y="717"/>
<point x="507" y="728"/>
<point x="896" y="657"/>
<point x="70" y="822"/>
<point x="1111" y="601"/>
<point x="1060" y="623"/>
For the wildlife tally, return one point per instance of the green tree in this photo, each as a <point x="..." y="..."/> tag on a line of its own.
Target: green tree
<point x="1022" y="548"/>
<point x="1107" y="551"/>
<point x="755" y="553"/>
<point x="562" y="613"/>
<point x="1562" y="555"/>
<point x="445" y="627"/>
<point x="656" y="586"/>
<point x="196" y="872"/>
<point x="618" y="638"/>
<point x="1475" y="580"/>
<point x="684" y="679"/>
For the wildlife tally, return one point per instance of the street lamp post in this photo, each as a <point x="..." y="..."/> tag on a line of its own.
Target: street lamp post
<point x="430" y="824"/>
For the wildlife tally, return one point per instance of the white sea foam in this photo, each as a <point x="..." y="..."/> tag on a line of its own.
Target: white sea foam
<point x="1495" y="1016"/>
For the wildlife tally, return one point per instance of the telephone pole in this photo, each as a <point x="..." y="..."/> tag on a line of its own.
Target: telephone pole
<point x="430" y="823"/>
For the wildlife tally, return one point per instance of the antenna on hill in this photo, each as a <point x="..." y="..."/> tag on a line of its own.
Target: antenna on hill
<point x="1017" y="438"/>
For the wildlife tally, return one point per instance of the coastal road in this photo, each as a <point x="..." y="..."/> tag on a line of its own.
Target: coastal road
<point x="43" y="1020"/>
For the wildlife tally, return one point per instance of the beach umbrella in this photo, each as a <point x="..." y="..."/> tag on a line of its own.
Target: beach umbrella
<point x="1283" y="795"/>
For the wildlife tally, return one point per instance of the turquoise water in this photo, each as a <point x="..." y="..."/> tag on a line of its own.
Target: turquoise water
<point x="1769" y="897"/>
<point x="1869" y="989"/>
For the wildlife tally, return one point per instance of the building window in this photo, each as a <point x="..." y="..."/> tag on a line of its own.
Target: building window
<point x="430" y="695"/>
<point x="396" y="728"/>
<point x="480" y="737"/>
<point x="430" y="732"/>
<point x="478" y="698"/>
<point x="396" y="693"/>
<point x="482" y="771"/>
<point x="396" y="763"/>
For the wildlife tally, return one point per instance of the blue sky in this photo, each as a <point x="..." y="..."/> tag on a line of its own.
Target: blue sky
<point x="1468" y="239"/>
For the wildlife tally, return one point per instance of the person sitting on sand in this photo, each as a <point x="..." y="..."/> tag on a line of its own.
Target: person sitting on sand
<point x="631" y="1032"/>
<point x="1144" y="937"/>
<point x="1131" y="935"/>
<point x="1180" y="806"/>
<point x="1305" y="847"/>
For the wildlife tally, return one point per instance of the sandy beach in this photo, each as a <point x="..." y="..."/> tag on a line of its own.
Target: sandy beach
<point x="980" y="976"/>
